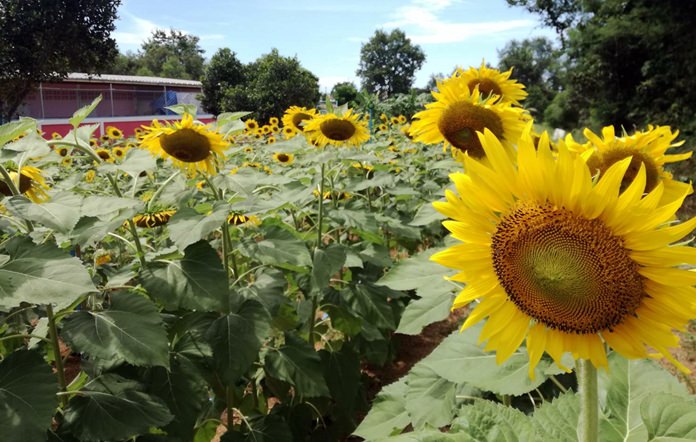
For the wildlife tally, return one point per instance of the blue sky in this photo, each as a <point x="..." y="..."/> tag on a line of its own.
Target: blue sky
<point x="326" y="35"/>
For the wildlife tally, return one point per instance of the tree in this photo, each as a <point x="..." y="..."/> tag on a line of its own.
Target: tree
<point x="344" y="92"/>
<point x="222" y="73"/>
<point x="44" y="40"/>
<point x="273" y="83"/>
<point x="171" y="54"/>
<point x="388" y="63"/>
<point x="560" y="15"/>
<point x="534" y="63"/>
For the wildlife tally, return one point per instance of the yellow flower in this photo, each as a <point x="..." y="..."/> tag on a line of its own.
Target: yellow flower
<point x="251" y="125"/>
<point x="238" y="219"/>
<point x="563" y="261"/>
<point x="648" y="148"/>
<point x="56" y="136"/>
<point x="191" y="146"/>
<point x="273" y="121"/>
<point x="63" y="151"/>
<point x="119" y="152"/>
<point x="493" y="82"/>
<point x="384" y="117"/>
<point x="105" y="155"/>
<point x="271" y="140"/>
<point x="93" y="142"/>
<point x="154" y="219"/>
<point x="289" y="132"/>
<point x="248" y="149"/>
<point x="337" y="130"/>
<point x="30" y="183"/>
<point x="401" y="119"/>
<point x="382" y="128"/>
<point x="66" y="162"/>
<point x="102" y="259"/>
<point x="458" y="114"/>
<point x="296" y="117"/>
<point x="284" y="158"/>
<point x="114" y="133"/>
<point x="90" y="175"/>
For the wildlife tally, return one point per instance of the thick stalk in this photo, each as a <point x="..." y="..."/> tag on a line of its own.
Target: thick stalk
<point x="320" y="199"/>
<point x="161" y="188"/>
<point x="60" y="371"/>
<point x="588" y="427"/>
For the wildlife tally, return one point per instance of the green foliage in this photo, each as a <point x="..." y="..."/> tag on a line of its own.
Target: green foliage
<point x="66" y="36"/>
<point x="223" y="72"/>
<point x="344" y="93"/>
<point x="388" y="63"/>
<point x="669" y="417"/>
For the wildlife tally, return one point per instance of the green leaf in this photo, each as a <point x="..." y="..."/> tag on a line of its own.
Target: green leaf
<point x="28" y="401"/>
<point x="343" y="377"/>
<point x="181" y="109"/>
<point x="188" y="226"/>
<point x="83" y="112"/>
<point x="623" y="387"/>
<point x="297" y="363"/>
<point x="279" y="248"/>
<point x="461" y="360"/>
<point x="41" y="274"/>
<point x="558" y="420"/>
<point x="326" y="263"/>
<point x="372" y="303"/>
<point x="266" y="428"/>
<point x="131" y="329"/>
<point x="32" y="145"/>
<point x="430" y="399"/>
<point x="236" y="340"/>
<point x="424" y="311"/>
<point x="388" y="415"/>
<point x="13" y="129"/>
<point x="196" y="282"/>
<point x="489" y="421"/>
<point x="669" y="418"/>
<point x="426" y="215"/>
<point x="416" y="272"/>
<point x="428" y="436"/>
<point x="136" y="162"/>
<point x="110" y="408"/>
<point x="58" y="213"/>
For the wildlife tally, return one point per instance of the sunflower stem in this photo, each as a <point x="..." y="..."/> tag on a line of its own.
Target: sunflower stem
<point x="588" y="429"/>
<point x="320" y="199"/>
<point x="131" y="225"/>
<point x="158" y="192"/>
<point x="60" y="371"/>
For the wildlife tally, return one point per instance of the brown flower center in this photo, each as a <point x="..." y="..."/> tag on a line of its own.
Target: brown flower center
<point x="283" y="158"/>
<point x="486" y="86"/>
<point x="298" y="118"/>
<point x="460" y="122"/>
<point x="569" y="273"/>
<point x="186" y="145"/>
<point x="337" y="129"/>
<point x="603" y="161"/>
<point x="24" y="185"/>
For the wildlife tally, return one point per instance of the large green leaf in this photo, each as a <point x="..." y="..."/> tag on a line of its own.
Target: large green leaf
<point x="327" y="262"/>
<point x="416" y="272"/>
<point x="669" y="418"/>
<point x="425" y="215"/>
<point x="297" y="363"/>
<point x="388" y="415"/>
<point x="188" y="226"/>
<point x="136" y="162"/>
<point x="27" y="397"/>
<point x="425" y="311"/>
<point x="83" y="112"/>
<point x="623" y="387"/>
<point x="558" y="420"/>
<point x="131" y="328"/>
<point x="279" y="248"/>
<point x="13" y="129"/>
<point x="492" y="422"/>
<point x="41" y="274"/>
<point x="236" y="340"/>
<point x="372" y="303"/>
<point x="197" y="281"/>
<point x="460" y="359"/>
<point x="111" y="408"/>
<point x="342" y="374"/>
<point x="430" y="399"/>
<point x="58" y="213"/>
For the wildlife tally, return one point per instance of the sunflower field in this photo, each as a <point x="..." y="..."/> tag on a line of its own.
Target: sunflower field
<point x="248" y="280"/>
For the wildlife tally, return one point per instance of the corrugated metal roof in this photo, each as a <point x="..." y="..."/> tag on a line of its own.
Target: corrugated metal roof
<point x="131" y="79"/>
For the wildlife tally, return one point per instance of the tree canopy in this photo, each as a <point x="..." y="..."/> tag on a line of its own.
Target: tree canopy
<point x="344" y="92"/>
<point x="223" y="72"/>
<point x="42" y="40"/>
<point x="388" y="63"/>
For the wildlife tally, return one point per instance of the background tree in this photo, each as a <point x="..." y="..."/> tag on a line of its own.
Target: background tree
<point x="560" y="15"/>
<point x="535" y="63"/>
<point x="222" y="73"/>
<point x="171" y="54"/>
<point x="44" y="40"/>
<point x="388" y="63"/>
<point x="273" y="83"/>
<point x="344" y="92"/>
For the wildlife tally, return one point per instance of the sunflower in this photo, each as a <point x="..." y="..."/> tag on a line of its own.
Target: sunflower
<point x="337" y="130"/>
<point x="105" y="155"/>
<point x="382" y="128"/>
<point x="251" y="125"/>
<point x="104" y="138"/>
<point x="238" y="219"/>
<point x="493" y="82"/>
<point x="63" y="151"/>
<point x="93" y="142"/>
<point x="90" y="175"/>
<point x="458" y="114"/>
<point x="284" y="158"/>
<point x="274" y="128"/>
<point x="296" y="117"/>
<point x="30" y="183"/>
<point x="647" y="148"/>
<point x="154" y="219"/>
<point x="273" y="121"/>
<point x="66" y="162"/>
<point x="565" y="261"/>
<point x="191" y="146"/>
<point x="114" y="133"/>
<point x="271" y="140"/>
<point x="383" y="117"/>
<point x="248" y="149"/>
<point x="119" y="152"/>
<point x="289" y="132"/>
<point x="265" y="129"/>
<point x="56" y="136"/>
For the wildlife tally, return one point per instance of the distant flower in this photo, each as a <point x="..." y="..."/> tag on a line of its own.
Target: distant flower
<point x="284" y="158"/>
<point x="296" y="117"/>
<point x="337" y="130"/>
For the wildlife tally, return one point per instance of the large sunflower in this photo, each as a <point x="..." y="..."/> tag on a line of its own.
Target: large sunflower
<point x="459" y="113"/>
<point x="296" y="117"/>
<point x="31" y="184"/>
<point x="564" y="261"/>
<point x="338" y="130"/>
<point x="647" y="148"/>
<point x="191" y="146"/>
<point x="493" y="82"/>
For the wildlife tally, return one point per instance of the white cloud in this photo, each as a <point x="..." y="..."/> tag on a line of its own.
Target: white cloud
<point x="422" y="20"/>
<point x="326" y="83"/>
<point x="132" y="31"/>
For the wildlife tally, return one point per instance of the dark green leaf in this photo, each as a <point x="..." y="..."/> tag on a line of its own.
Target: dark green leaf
<point x="426" y="215"/>
<point x="130" y="328"/>
<point x="198" y="281"/>
<point x="236" y="339"/>
<point x="416" y="272"/>
<point x="27" y="397"/>
<point x="41" y="274"/>
<point x="371" y="302"/>
<point x="342" y="375"/>
<point x="297" y="363"/>
<point x="58" y="213"/>
<point x="326" y="263"/>
<point x="424" y="311"/>
<point x="188" y="226"/>
<point x="279" y="248"/>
